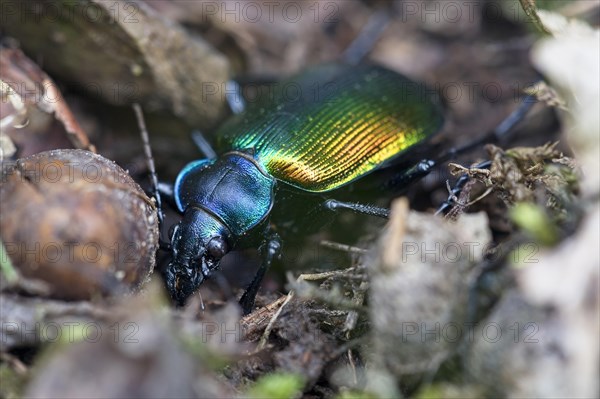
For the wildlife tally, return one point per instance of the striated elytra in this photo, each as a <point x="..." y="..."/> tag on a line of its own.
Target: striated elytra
<point x="319" y="131"/>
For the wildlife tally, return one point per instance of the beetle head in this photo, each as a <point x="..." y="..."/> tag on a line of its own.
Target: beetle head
<point x="198" y="243"/>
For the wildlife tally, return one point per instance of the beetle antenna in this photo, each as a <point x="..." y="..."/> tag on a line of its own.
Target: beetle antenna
<point x="150" y="160"/>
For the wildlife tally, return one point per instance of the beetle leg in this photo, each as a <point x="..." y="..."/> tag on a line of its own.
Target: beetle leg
<point x="167" y="193"/>
<point x="498" y="134"/>
<point x="234" y="97"/>
<point x="368" y="36"/>
<point x="203" y="145"/>
<point x="335" y="205"/>
<point x="445" y="207"/>
<point x="424" y="167"/>
<point x="411" y="175"/>
<point x="270" y="250"/>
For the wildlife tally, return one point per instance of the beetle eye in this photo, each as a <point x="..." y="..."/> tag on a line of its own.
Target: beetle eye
<point x="217" y="247"/>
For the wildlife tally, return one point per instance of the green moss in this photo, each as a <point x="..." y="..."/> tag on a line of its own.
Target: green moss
<point x="6" y="266"/>
<point x="277" y="385"/>
<point x="449" y="391"/>
<point x="12" y="383"/>
<point x="534" y="220"/>
<point x="357" y="395"/>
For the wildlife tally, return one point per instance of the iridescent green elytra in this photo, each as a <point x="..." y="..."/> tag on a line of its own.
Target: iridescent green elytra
<point x="334" y="124"/>
<point x="319" y="131"/>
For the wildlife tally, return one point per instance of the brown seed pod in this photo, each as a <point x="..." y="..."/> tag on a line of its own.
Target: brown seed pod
<point x="78" y="222"/>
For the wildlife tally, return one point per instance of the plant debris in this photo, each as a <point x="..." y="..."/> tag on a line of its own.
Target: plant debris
<point x="32" y="98"/>
<point x="499" y="298"/>
<point x="538" y="175"/>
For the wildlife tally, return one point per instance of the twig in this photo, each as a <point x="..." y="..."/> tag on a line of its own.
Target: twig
<point x="254" y="322"/>
<point x="343" y="247"/>
<point x="17" y="365"/>
<point x="265" y="336"/>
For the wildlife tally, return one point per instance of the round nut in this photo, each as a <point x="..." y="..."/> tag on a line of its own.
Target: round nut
<point x="78" y="222"/>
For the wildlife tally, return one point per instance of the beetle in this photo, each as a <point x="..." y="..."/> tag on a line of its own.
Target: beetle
<point x="347" y="122"/>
